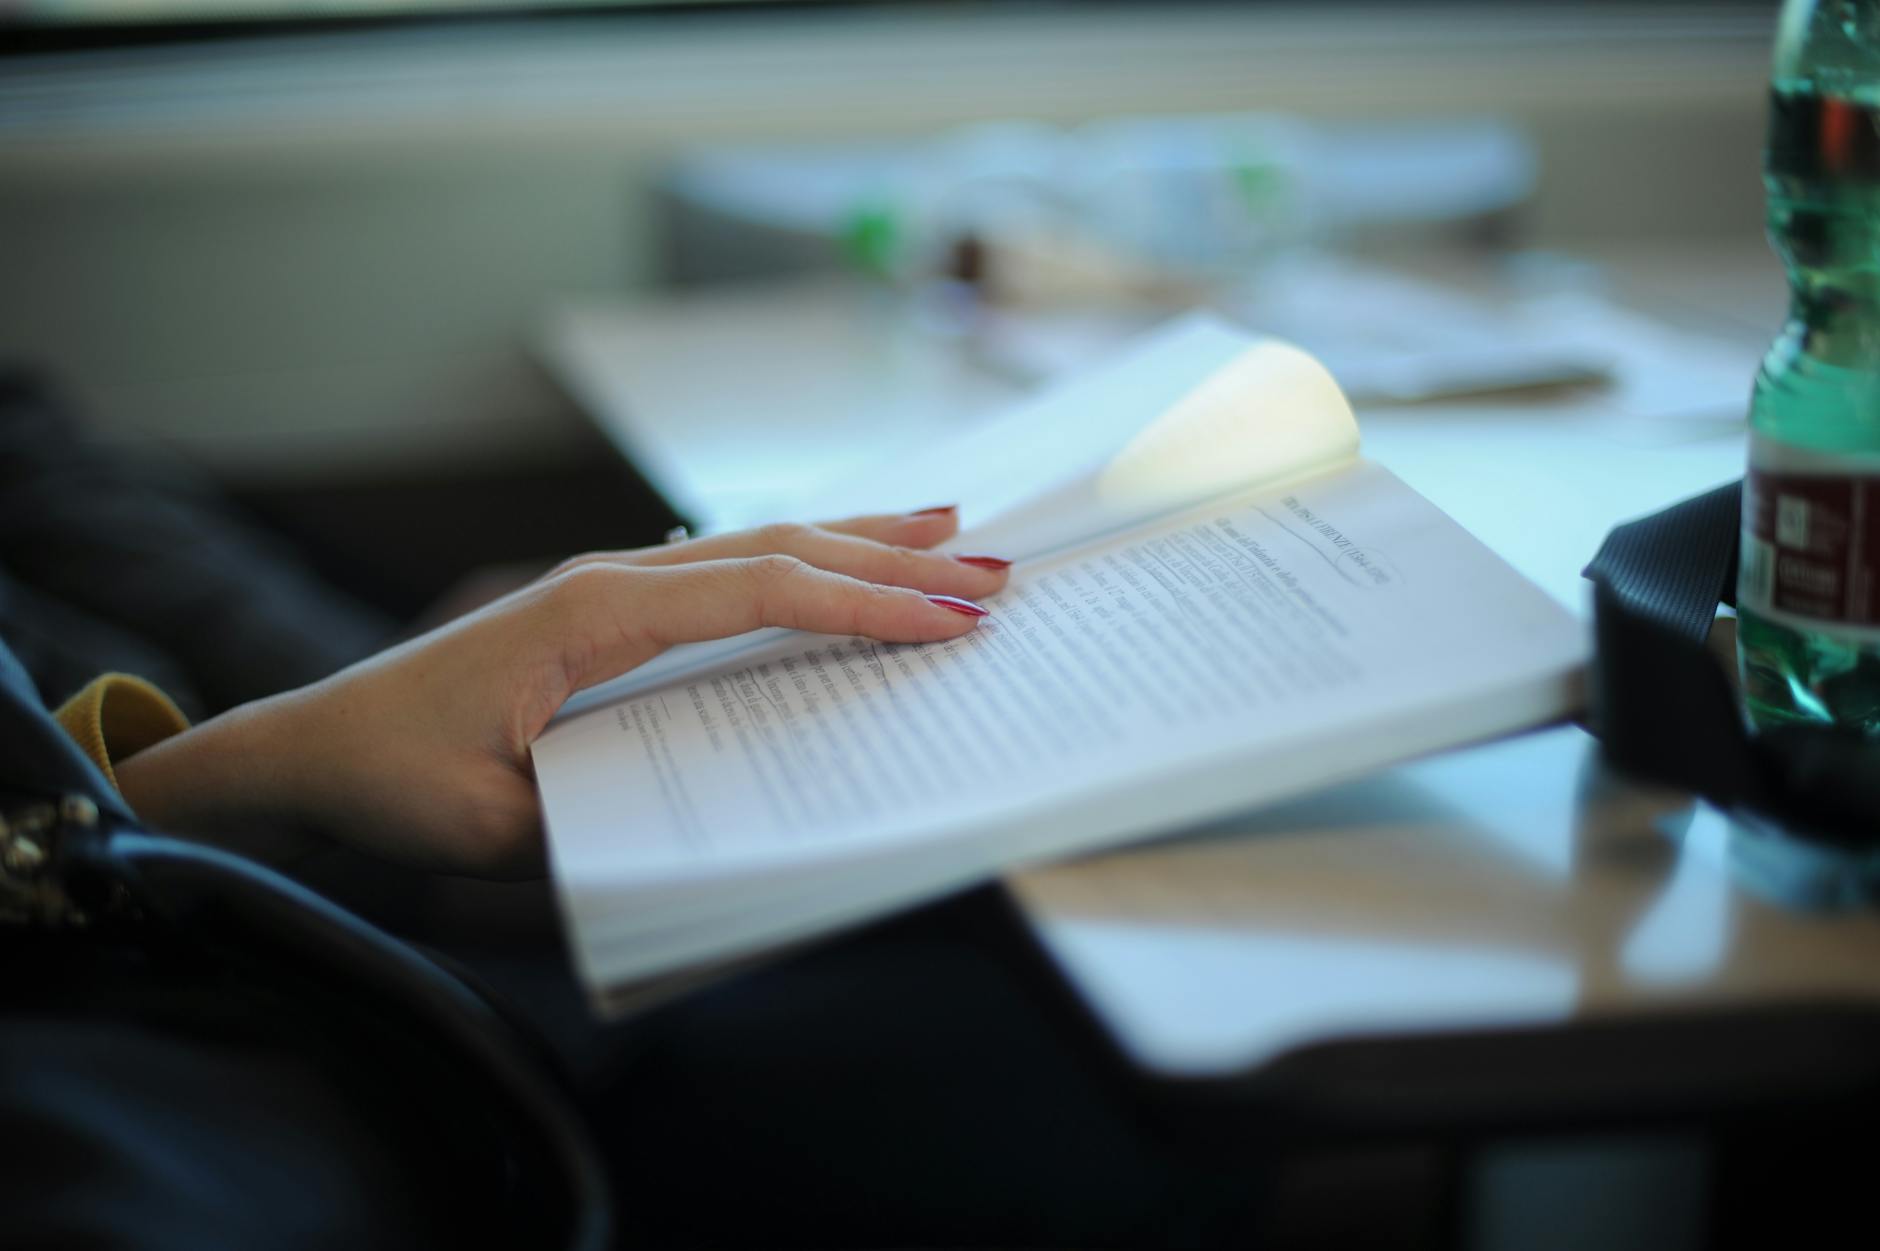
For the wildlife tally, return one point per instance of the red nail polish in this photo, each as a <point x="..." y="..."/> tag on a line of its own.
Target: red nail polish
<point x="985" y="562"/>
<point x="967" y="607"/>
<point x="933" y="512"/>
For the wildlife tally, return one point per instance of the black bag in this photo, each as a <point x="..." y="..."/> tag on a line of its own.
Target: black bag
<point x="1663" y="708"/>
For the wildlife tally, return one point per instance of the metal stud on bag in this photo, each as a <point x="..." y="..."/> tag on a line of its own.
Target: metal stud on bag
<point x="30" y="892"/>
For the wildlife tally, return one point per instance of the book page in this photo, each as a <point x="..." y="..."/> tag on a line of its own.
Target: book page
<point x="1197" y="411"/>
<point x="1136" y="681"/>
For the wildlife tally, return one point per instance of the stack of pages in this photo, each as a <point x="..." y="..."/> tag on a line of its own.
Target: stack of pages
<point x="1217" y="603"/>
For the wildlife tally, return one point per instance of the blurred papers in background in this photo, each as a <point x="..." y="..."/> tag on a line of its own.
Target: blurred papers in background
<point x="1039" y="249"/>
<point x="1190" y="198"/>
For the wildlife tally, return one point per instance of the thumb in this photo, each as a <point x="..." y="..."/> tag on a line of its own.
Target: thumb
<point x="624" y="616"/>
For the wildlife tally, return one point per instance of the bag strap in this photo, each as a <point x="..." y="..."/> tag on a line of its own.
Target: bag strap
<point x="222" y="899"/>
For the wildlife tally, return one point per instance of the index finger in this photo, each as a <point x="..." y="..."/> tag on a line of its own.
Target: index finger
<point x="924" y="527"/>
<point x="621" y="617"/>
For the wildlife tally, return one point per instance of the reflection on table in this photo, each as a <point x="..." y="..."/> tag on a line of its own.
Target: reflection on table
<point x="1513" y="884"/>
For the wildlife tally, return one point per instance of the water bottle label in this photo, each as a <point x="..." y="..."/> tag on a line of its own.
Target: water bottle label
<point x="1811" y="546"/>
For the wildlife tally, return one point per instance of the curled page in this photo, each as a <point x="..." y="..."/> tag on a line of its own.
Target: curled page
<point x="1267" y="413"/>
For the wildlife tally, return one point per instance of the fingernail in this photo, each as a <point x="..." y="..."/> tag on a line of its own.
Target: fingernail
<point x="985" y="562"/>
<point x="964" y="606"/>
<point x="933" y="512"/>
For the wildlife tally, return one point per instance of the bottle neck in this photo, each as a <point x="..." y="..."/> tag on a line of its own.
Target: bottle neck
<point x="1822" y="175"/>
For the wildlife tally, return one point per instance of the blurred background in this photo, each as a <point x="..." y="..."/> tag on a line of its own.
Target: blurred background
<point x="390" y="272"/>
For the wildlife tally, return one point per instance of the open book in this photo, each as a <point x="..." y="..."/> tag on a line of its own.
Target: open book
<point x="1217" y="603"/>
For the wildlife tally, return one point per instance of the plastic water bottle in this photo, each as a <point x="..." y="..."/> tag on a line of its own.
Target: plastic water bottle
<point x="1808" y="594"/>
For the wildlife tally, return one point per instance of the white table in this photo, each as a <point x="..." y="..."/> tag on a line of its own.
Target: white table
<point x="1511" y="884"/>
<point x="729" y="401"/>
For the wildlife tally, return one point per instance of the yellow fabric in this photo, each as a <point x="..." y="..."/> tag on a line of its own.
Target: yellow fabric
<point x="117" y="716"/>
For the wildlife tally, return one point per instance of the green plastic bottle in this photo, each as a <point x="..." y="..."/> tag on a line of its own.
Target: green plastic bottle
<point x="1808" y="594"/>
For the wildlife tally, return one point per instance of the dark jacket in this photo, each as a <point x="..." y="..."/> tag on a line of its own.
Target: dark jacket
<point x="112" y="562"/>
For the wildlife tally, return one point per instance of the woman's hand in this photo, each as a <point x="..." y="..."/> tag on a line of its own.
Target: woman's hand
<point x="421" y="753"/>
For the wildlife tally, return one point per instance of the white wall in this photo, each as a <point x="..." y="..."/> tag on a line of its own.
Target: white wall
<point x="299" y="256"/>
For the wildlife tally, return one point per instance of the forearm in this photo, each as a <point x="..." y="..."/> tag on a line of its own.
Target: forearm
<point x="235" y="781"/>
